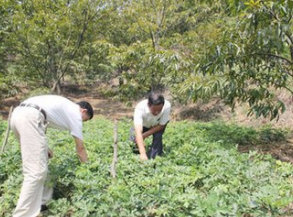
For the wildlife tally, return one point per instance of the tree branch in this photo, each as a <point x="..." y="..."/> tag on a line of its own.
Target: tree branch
<point x="78" y="44"/>
<point x="275" y="56"/>
<point x="115" y="150"/>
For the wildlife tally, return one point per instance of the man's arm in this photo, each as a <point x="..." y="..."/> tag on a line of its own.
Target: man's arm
<point x="139" y="141"/>
<point x="80" y="150"/>
<point x="153" y="130"/>
<point x="139" y="137"/>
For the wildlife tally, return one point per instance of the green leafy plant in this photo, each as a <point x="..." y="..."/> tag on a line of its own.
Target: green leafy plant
<point x="200" y="174"/>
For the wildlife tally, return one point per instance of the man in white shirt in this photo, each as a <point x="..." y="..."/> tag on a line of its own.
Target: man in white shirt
<point x="29" y="122"/>
<point x="150" y="118"/>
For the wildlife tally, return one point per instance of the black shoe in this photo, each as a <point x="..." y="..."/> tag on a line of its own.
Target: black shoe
<point x="44" y="208"/>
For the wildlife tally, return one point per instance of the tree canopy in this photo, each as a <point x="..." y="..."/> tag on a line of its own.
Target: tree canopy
<point x="240" y="51"/>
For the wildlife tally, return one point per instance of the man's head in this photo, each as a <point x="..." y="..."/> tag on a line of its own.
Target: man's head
<point x="156" y="103"/>
<point x="86" y="109"/>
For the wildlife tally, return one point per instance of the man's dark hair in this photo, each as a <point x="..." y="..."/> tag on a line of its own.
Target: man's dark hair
<point x="88" y="107"/>
<point x="156" y="98"/>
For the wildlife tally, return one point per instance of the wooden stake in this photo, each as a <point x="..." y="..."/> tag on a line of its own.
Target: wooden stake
<point x="115" y="150"/>
<point x="7" y="131"/>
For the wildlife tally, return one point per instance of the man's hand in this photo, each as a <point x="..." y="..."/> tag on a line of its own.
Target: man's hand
<point x="143" y="157"/>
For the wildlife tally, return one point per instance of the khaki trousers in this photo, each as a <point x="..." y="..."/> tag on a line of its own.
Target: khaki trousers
<point x="29" y="126"/>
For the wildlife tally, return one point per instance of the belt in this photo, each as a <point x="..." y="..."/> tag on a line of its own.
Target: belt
<point x="34" y="106"/>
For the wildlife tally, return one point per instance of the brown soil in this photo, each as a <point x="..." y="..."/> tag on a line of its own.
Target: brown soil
<point x="214" y="110"/>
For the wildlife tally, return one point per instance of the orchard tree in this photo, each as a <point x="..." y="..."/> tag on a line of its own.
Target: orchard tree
<point x="48" y="36"/>
<point x="149" y="19"/>
<point x="251" y="59"/>
<point x="140" y="69"/>
<point x="149" y="59"/>
<point x="8" y="75"/>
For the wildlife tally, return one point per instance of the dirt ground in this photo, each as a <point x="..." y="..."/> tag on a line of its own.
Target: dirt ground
<point x="214" y="110"/>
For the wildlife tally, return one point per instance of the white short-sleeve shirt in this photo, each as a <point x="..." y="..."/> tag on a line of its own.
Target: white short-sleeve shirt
<point x="144" y="117"/>
<point x="62" y="113"/>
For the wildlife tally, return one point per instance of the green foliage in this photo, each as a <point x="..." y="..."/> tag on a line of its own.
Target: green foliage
<point x="2" y="126"/>
<point x="242" y="136"/>
<point x="47" y="37"/>
<point x="250" y="60"/>
<point x="240" y="51"/>
<point x="140" y="64"/>
<point x="201" y="174"/>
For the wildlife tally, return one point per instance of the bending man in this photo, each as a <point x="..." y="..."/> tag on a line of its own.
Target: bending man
<point x="150" y="118"/>
<point x="29" y="122"/>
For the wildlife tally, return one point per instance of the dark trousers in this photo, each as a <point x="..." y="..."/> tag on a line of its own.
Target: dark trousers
<point x="157" y="144"/>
